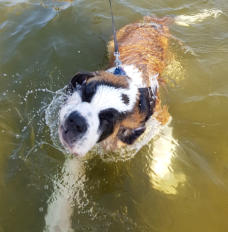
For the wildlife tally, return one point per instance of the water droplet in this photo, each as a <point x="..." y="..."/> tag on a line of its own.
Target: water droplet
<point x="17" y="136"/>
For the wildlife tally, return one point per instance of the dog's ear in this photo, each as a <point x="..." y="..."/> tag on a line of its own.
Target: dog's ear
<point x="80" y="78"/>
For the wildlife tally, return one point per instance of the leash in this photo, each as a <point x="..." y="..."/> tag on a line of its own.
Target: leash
<point x="118" y="70"/>
<point x="148" y="96"/>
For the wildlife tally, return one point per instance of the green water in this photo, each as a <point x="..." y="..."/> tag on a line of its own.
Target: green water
<point x="42" y="44"/>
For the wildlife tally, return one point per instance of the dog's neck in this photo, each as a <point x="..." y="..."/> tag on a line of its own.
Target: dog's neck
<point x="134" y="73"/>
<point x="137" y="77"/>
<point x="147" y="94"/>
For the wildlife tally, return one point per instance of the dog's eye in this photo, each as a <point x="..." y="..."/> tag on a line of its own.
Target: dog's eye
<point x="108" y="119"/>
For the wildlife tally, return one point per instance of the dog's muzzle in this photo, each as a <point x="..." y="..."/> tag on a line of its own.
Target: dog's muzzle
<point x="74" y="128"/>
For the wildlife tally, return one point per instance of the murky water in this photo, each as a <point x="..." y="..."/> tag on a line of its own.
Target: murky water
<point x="177" y="182"/>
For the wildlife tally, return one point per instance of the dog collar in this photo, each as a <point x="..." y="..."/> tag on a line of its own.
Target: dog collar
<point x="119" y="71"/>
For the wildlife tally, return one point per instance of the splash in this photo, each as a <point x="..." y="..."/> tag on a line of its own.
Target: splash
<point x="69" y="189"/>
<point x="52" y="117"/>
<point x="52" y="120"/>
<point x="187" y="20"/>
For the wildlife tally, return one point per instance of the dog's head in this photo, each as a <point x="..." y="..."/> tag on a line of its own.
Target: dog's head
<point x="97" y="103"/>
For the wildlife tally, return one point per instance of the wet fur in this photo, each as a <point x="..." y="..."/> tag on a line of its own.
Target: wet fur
<point x="119" y="106"/>
<point x="145" y="45"/>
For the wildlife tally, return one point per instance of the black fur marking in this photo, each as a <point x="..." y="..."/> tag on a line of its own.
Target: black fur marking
<point x="78" y="80"/>
<point x="108" y="119"/>
<point x="125" y="99"/>
<point x="78" y="83"/>
<point x="146" y="102"/>
<point x="88" y="91"/>
<point x="129" y="136"/>
<point x="74" y="127"/>
<point x="80" y="77"/>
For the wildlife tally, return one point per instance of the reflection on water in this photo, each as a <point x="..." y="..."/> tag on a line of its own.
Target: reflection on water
<point x="67" y="190"/>
<point x="176" y="182"/>
<point x="163" y="175"/>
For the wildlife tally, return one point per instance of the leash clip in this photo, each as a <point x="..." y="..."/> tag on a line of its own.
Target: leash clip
<point x="117" y="59"/>
<point x="118" y="70"/>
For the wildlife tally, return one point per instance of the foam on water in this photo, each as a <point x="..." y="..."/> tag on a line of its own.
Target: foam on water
<point x="187" y="20"/>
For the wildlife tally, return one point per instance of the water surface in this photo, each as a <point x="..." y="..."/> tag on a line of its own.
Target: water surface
<point x="182" y="186"/>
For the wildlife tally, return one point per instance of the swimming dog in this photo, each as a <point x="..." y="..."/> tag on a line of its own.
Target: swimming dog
<point x="113" y="109"/>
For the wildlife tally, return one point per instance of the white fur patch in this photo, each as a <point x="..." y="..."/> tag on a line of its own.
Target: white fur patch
<point x="154" y="83"/>
<point x="133" y="73"/>
<point x="69" y="107"/>
<point x="111" y="97"/>
<point x="91" y="136"/>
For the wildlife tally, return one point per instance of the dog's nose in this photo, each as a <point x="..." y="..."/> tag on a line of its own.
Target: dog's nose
<point x="75" y="123"/>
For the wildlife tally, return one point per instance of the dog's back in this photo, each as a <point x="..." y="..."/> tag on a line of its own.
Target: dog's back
<point x="144" y="45"/>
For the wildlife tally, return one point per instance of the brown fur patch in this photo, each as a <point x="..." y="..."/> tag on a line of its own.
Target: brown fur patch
<point x="121" y="81"/>
<point x="144" y="45"/>
<point x="134" y="120"/>
<point x="161" y="112"/>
